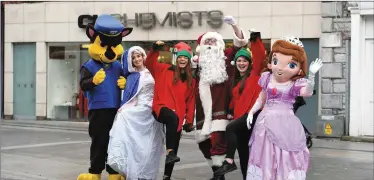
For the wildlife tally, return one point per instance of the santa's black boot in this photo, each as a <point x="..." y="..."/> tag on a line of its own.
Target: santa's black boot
<point x="214" y="168"/>
<point x="225" y="168"/>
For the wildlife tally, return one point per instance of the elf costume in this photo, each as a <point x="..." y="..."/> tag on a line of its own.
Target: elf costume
<point x="244" y="95"/>
<point x="174" y="99"/>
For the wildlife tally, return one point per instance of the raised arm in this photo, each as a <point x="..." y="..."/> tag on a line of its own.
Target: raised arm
<point x="151" y="62"/>
<point x="308" y="89"/>
<point x="240" y="38"/>
<point x="258" y="53"/>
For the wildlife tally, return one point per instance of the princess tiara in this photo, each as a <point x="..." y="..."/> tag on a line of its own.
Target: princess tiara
<point x="293" y="40"/>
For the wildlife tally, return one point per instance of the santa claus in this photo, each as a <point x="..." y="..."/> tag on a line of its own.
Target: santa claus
<point x="214" y="83"/>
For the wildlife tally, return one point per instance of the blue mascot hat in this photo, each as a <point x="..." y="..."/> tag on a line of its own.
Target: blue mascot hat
<point x="108" y="25"/>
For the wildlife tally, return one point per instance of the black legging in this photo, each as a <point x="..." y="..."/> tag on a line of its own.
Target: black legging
<point x="170" y="119"/>
<point x="237" y="137"/>
<point x="169" y="167"/>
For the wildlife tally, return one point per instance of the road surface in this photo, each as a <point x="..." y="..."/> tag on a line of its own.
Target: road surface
<point x="32" y="153"/>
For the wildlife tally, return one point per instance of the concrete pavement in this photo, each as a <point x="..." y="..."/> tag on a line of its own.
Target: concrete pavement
<point x="62" y="125"/>
<point x="83" y="126"/>
<point x="33" y="153"/>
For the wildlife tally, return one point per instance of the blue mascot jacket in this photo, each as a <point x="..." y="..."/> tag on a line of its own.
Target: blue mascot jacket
<point x="107" y="94"/>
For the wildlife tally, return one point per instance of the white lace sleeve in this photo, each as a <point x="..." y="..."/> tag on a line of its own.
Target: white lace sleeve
<point x="145" y="96"/>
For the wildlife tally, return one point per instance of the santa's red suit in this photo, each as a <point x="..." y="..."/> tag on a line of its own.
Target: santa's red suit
<point x="212" y="98"/>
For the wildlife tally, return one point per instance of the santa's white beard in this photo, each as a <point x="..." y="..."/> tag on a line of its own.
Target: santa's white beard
<point x="212" y="65"/>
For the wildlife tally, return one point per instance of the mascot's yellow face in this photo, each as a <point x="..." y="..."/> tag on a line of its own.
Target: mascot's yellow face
<point x="106" y="48"/>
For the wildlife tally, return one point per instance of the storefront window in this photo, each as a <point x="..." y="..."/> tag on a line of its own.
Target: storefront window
<point x="64" y="61"/>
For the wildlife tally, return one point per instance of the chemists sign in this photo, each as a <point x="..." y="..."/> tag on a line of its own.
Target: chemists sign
<point x="183" y="19"/>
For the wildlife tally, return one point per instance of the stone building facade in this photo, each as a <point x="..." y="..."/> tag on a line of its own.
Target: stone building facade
<point x="335" y="42"/>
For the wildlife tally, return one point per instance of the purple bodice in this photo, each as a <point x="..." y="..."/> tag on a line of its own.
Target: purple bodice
<point x="277" y="116"/>
<point x="282" y="95"/>
<point x="279" y="96"/>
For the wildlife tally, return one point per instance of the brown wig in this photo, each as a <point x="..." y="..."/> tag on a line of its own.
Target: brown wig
<point x="238" y="78"/>
<point x="297" y="52"/>
<point x="187" y="75"/>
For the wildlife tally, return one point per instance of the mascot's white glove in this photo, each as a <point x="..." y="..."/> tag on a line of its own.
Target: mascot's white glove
<point x="229" y="20"/>
<point x="257" y="106"/>
<point x="314" y="67"/>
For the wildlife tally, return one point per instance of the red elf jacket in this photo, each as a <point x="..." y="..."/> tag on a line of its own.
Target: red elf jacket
<point x="177" y="97"/>
<point x="242" y="103"/>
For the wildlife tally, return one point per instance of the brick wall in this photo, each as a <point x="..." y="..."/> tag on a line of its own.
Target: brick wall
<point x="335" y="33"/>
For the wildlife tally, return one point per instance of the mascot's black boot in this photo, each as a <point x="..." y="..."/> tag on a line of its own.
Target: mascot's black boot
<point x="214" y="168"/>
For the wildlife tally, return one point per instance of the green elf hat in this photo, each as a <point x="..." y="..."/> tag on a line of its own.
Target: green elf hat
<point x="242" y="52"/>
<point x="181" y="49"/>
<point x="184" y="53"/>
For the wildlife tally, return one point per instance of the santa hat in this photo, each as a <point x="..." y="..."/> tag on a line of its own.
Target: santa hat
<point x="213" y="35"/>
<point x="209" y="35"/>
<point x="245" y="52"/>
<point x="198" y="43"/>
<point x="181" y="49"/>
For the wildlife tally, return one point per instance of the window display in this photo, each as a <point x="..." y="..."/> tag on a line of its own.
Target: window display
<point x="64" y="61"/>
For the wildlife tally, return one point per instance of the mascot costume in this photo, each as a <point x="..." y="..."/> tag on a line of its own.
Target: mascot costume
<point x="102" y="81"/>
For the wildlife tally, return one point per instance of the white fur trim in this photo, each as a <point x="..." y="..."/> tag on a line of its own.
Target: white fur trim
<point x="130" y="68"/>
<point x="219" y="125"/>
<point x="194" y="61"/>
<point x="197" y="49"/>
<point x="206" y="102"/>
<point x="195" y="58"/>
<point x="217" y="160"/>
<point x="252" y="30"/>
<point x="210" y="162"/>
<point x="199" y="137"/>
<point x="215" y="35"/>
<point x="240" y="42"/>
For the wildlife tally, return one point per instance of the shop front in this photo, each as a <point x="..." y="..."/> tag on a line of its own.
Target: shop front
<point x="52" y="36"/>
